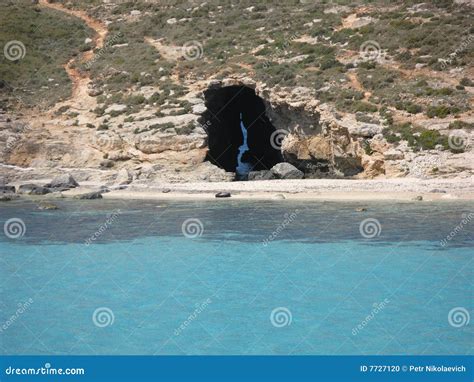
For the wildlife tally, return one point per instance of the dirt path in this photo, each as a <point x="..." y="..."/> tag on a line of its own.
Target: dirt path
<point x="79" y="98"/>
<point x="358" y="86"/>
<point x="52" y="132"/>
<point x="99" y="28"/>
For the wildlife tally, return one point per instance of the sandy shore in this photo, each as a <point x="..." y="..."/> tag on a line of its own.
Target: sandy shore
<point x="318" y="189"/>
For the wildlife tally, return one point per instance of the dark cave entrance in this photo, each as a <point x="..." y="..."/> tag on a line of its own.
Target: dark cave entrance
<point x="239" y="132"/>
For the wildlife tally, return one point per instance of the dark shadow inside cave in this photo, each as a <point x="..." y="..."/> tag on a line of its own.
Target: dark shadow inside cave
<point x="231" y="112"/>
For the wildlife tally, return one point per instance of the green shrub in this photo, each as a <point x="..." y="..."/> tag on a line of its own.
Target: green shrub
<point x="365" y="107"/>
<point x="441" y="111"/>
<point x="408" y="106"/>
<point x="461" y="125"/>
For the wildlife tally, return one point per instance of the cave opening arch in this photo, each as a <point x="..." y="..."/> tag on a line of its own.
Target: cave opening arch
<point x="239" y="131"/>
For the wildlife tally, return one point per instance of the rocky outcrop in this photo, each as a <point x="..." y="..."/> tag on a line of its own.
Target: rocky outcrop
<point x="123" y="177"/>
<point x="90" y="195"/>
<point x="286" y="171"/>
<point x="32" y="189"/>
<point x="261" y="175"/>
<point x="64" y="181"/>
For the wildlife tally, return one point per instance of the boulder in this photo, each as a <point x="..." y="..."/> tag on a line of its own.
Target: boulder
<point x="7" y="189"/>
<point x="374" y="165"/>
<point x="8" y="197"/>
<point x="90" y="195"/>
<point x="393" y="155"/>
<point x="115" y="108"/>
<point x="94" y="92"/>
<point x="286" y="171"/>
<point x="223" y="194"/>
<point x="47" y="206"/>
<point x="123" y="177"/>
<point x="64" y="181"/>
<point x="366" y="130"/>
<point x="32" y="189"/>
<point x="260" y="175"/>
<point x="106" y="163"/>
<point x="199" y="108"/>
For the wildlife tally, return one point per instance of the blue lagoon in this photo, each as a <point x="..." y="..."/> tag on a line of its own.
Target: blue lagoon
<point x="236" y="277"/>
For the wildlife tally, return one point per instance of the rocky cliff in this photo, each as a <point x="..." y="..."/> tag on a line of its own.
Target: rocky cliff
<point x="130" y="100"/>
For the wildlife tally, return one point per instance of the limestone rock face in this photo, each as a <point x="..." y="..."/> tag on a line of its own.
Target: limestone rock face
<point x="373" y="165"/>
<point x="63" y="181"/>
<point x="170" y="142"/>
<point x="286" y="171"/>
<point x="123" y="177"/>
<point x="393" y="155"/>
<point x="208" y="172"/>
<point x="32" y="189"/>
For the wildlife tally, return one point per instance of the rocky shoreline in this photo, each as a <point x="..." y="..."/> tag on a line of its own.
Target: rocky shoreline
<point x="406" y="189"/>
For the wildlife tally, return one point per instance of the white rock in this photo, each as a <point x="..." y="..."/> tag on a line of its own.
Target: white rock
<point x="115" y="107"/>
<point x="199" y="108"/>
<point x="171" y="21"/>
<point x="87" y="40"/>
<point x="123" y="177"/>
<point x="135" y="12"/>
<point x="393" y="155"/>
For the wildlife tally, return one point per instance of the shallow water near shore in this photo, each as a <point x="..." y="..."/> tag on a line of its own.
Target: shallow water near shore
<point x="236" y="277"/>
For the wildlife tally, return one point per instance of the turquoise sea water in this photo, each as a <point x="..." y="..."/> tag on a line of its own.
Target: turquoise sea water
<point x="240" y="277"/>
